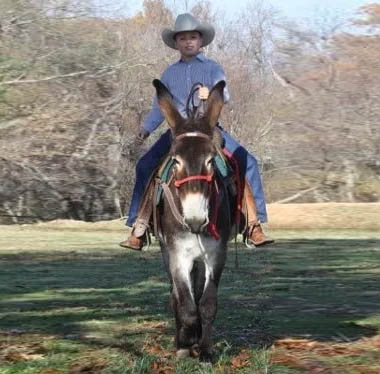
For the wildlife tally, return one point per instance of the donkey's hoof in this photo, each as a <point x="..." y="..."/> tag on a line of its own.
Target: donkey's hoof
<point x="183" y="353"/>
<point x="195" y="350"/>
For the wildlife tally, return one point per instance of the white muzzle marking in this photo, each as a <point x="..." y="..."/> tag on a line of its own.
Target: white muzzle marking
<point x="195" y="207"/>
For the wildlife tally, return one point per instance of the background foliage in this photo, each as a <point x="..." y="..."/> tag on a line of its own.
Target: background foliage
<point x="75" y="87"/>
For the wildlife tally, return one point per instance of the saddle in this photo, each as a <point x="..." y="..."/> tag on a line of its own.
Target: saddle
<point x="227" y="170"/>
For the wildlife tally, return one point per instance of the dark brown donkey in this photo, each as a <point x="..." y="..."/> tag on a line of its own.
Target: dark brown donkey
<point x="193" y="200"/>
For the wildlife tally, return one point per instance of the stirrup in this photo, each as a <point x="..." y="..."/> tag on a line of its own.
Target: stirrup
<point x="148" y="240"/>
<point x="247" y="242"/>
<point x="140" y="227"/>
<point x="247" y="233"/>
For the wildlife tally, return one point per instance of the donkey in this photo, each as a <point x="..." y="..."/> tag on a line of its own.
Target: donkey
<point x="194" y="258"/>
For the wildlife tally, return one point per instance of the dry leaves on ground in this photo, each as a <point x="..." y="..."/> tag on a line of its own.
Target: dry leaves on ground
<point x="322" y="349"/>
<point x="88" y="365"/>
<point x="295" y="362"/>
<point x="21" y="352"/>
<point x="161" y="367"/>
<point x="157" y="350"/>
<point x="241" y="360"/>
<point x="295" y="353"/>
<point x="155" y="324"/>
<point x="50" y="371"/>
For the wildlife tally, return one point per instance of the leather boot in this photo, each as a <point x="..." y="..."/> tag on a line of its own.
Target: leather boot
<point x="138" y="238"/>
<point x="133" y="242"/>
<point x="254" y="233"/>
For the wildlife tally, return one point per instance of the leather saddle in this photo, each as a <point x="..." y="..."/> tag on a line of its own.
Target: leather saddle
<point x="148" y="216"/>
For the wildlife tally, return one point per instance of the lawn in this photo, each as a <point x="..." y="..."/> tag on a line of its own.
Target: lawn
<point x="72" y="301"/>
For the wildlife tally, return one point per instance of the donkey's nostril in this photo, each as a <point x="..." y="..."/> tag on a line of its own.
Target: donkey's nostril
<point x="195" y="225"/>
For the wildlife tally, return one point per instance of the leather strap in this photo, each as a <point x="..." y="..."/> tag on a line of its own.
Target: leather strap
<point x="192" y="133"/>
<point x="169" y="197"/>
<point x="145" y="212"/>
<point x="207" y="178"/>
<point x="251" y="219"/>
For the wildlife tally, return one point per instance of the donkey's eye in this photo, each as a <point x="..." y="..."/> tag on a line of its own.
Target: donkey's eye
<point x="209" y="162"/>
<point x="177" y="162"/>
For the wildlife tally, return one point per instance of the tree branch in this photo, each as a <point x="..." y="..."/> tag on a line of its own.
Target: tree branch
<point x="296" y="196"/>
<point x="99" y="72"/>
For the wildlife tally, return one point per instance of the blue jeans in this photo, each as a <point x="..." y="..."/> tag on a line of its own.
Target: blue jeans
<point x="151" y="160"/>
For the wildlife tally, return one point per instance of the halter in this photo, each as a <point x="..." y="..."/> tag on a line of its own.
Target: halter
<point x="207" y="178"/>
<point x="165" y="187"/>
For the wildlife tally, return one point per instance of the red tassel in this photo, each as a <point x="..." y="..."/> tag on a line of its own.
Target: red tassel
<point x="213" y="230"/>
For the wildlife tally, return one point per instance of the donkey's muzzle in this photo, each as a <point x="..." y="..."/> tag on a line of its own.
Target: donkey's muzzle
<point x="196" y="226"/>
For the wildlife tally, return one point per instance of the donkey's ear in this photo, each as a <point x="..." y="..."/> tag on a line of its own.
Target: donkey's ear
<point x="165" y="101"/>
<point x="215" y="103"/>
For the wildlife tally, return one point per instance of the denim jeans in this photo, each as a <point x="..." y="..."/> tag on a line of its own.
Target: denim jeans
<point x="151" y="160"/>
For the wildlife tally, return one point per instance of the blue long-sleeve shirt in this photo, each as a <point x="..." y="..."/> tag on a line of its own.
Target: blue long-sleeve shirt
<point x="179" y="79"/>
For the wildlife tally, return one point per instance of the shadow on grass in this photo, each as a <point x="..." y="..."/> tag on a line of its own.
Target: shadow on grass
<point x="319" y="289"/>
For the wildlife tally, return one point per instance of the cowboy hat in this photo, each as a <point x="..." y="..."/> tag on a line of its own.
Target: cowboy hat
<point x="186" y="22"/>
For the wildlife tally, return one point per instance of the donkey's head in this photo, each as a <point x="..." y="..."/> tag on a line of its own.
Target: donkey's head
<point x="193" y="149"/>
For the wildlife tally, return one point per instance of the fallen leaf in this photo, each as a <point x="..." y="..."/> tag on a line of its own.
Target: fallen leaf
<point x="155" y="325"/>
<point x="296" y="343"/>
<point x="93" y="366"/>
<point x="374" y="342"/>
<point x="287" y="360"/>
<point x="153" y="349"/>
<point x="241" y="360"/>
<point x="160" y="367"/>
<point x="310" y="366"/>
<point x="160" y="325"/>
<point x="157" y="350"/>
<point x="323" y="349"/>
<point x="362" y="369"/>
<point x="21" y="352"/>
<point x="17" y="356"/>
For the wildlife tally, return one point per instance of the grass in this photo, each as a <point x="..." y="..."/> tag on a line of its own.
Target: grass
<point x="72" y="301"/>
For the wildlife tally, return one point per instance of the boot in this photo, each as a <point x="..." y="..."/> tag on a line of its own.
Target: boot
<point x="254" y="233"/>
<point x="133" y="242"/>
<point x="138" y="238"/>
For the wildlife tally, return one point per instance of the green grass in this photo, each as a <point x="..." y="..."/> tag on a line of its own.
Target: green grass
<point x="72" y="301"/>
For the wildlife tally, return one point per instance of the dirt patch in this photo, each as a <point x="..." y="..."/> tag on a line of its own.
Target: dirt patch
<point x="360" y="216"/>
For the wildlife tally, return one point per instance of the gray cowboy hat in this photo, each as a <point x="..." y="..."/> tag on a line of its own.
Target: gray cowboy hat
<point x="186" y="22"/>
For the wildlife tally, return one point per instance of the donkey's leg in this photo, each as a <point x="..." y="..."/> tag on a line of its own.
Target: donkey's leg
<point x="198" y="279"/>
<point x="185" y="309"/>
<point x="208" y="308"/>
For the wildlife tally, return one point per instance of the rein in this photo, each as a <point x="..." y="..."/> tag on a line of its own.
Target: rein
<point x="190" y="111"/>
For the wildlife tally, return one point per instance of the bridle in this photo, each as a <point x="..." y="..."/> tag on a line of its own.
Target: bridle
<point x="207" y="178"/>
<point x="178" y="183"/>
